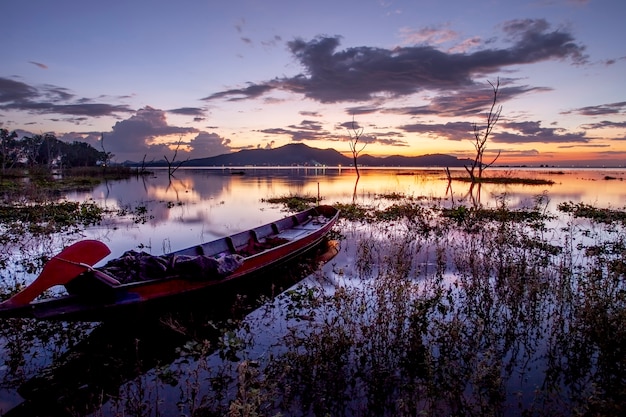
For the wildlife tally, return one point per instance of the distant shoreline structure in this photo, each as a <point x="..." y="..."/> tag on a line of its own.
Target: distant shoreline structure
<point x="301" y="155"/>
<point x="240" y="169"/>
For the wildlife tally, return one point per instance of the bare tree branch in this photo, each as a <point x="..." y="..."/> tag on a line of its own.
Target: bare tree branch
<point x="481" y="137"/>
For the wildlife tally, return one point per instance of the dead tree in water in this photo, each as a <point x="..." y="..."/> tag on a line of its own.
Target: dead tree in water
<point x="171" y="168"/>
<point x="106" y="156"/>
<point x="355" y="135"/>
<point x="478" y="166"/>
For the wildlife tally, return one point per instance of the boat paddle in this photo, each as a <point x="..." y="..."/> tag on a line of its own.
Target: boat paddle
<point x="61" y="269"/>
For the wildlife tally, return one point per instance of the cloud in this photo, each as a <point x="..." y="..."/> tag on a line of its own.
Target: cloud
<point x="38" y="64"/>
<point x="306" y="130"/>
<point x="601" y="109"/>
<point x="605" y="124"/>
<point x="530" y="131"/>
<point x="252" y="91"/>
<point x="209" y="144"/>
<point x="312" y="130"/>
<point x="357" y="110"/>
<point x="134" y="137"/>
<point x="516" y="132"/>
<point x="310" y="113"/>
<point x="451" y="130"/>
<point x="188" y="111"/>
<point x="466" y="102"/>
<point x="362" y="73"/>
<point x="50" y="99"/>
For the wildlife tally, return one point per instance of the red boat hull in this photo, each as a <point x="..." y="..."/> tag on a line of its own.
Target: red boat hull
<point x="299" y="233"/>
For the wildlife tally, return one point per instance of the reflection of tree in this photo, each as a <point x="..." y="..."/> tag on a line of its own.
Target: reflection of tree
<point x="356" y="182"/>
<point x="175" y="184"/>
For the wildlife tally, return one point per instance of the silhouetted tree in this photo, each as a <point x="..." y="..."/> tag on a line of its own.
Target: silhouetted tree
<point x="81" y="154"/>
<point x="49" y="152"/>
<point x="355" y="147"/>
<point x="171" y="168"/>
<point x="478" y="166"/>
<point x="8" y="149"/>
<point x="106" y="156"/>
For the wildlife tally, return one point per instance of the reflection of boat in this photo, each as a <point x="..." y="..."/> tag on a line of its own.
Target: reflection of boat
<point x="96" y="293"/>
<point x="115" y="353"/>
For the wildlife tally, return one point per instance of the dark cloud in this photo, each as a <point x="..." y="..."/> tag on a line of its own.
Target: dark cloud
<point x="209" y="144"/>
<point x="49" y="99"/>
<point x="312" y="130"/>
<point x="353" y="128"/>
<point x="134" y="137"/>
<point x="362" y="110"/>
<point x="15" y="91"/>
<point x="309" y="125"/>
<point x="525" y="132"/>
<point x="605" y="124"/>
<point x="514" y="132"/>
<point x="601" y="109"/>
<point x="451" y="130"/>
<point x="306" y="130"/>
<point x="188" y="111"/>
<point x="361" y="73"/>
<point x="583" y="146"/>
<point x="252" y="91"/>
<point x="38" y="64"/>
<point x="310" y="113"/>
<point x="466" y="102"/>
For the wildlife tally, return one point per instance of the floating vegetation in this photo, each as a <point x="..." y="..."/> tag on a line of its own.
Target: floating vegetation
<point x="42" y="184"/>
<point x="293" y="203"/>
<point x="603" y="215"/>
<point x="50" y="217"/>
<point x="506" y="180"/>
<point x="393" y="196"/>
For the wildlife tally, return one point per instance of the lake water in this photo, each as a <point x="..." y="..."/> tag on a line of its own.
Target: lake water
<point x="202" y="204"/>
<point x="196" y="205"/>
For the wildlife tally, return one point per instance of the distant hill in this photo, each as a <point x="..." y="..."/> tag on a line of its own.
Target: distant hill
<point x="292" y="154"/>
<point x="429" y="160"/>
<point x="301" y="154"/>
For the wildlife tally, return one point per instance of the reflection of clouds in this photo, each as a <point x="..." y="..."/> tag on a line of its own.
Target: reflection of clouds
<point x="202" y="205"/>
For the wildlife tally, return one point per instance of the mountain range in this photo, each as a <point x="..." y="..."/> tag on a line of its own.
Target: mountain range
<point x="303" y="155"/>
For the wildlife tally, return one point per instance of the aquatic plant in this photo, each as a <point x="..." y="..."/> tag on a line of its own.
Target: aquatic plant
<point x="425" y="311"/>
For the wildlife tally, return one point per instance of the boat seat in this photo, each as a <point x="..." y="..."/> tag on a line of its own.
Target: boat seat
<point x="240" y="240"/>
<point x="262" y="232"/>
<point x="291" y="234"/>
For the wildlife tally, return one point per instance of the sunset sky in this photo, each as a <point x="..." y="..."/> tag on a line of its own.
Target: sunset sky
<point x="240" y="74"/>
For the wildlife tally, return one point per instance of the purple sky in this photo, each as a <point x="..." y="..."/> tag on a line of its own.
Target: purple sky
<point x="224" y="76"/>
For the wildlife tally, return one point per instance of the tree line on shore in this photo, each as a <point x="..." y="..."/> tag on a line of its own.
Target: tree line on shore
<point x="46" y="151"/>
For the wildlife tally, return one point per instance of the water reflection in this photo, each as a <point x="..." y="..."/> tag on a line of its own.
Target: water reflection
<point x="196" y="185"/>
<point x="199" y="205"/>
<point x="92" y="364"/>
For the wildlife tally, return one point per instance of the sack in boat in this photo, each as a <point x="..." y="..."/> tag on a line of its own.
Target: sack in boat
<point x="203" y="266"/>
<point x="135" y="266"/>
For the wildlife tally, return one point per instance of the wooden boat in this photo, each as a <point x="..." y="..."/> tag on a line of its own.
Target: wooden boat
<point x="93" y="292"/>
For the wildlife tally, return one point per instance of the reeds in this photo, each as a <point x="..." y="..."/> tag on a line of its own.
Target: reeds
<point x="425" y="311"/>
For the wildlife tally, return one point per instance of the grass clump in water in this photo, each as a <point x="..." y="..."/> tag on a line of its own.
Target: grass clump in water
<point x="293" y="203"/>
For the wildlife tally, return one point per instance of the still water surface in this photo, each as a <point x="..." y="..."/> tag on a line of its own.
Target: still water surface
<point x="198" y="205"/>
<point x="202" y="204"/>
